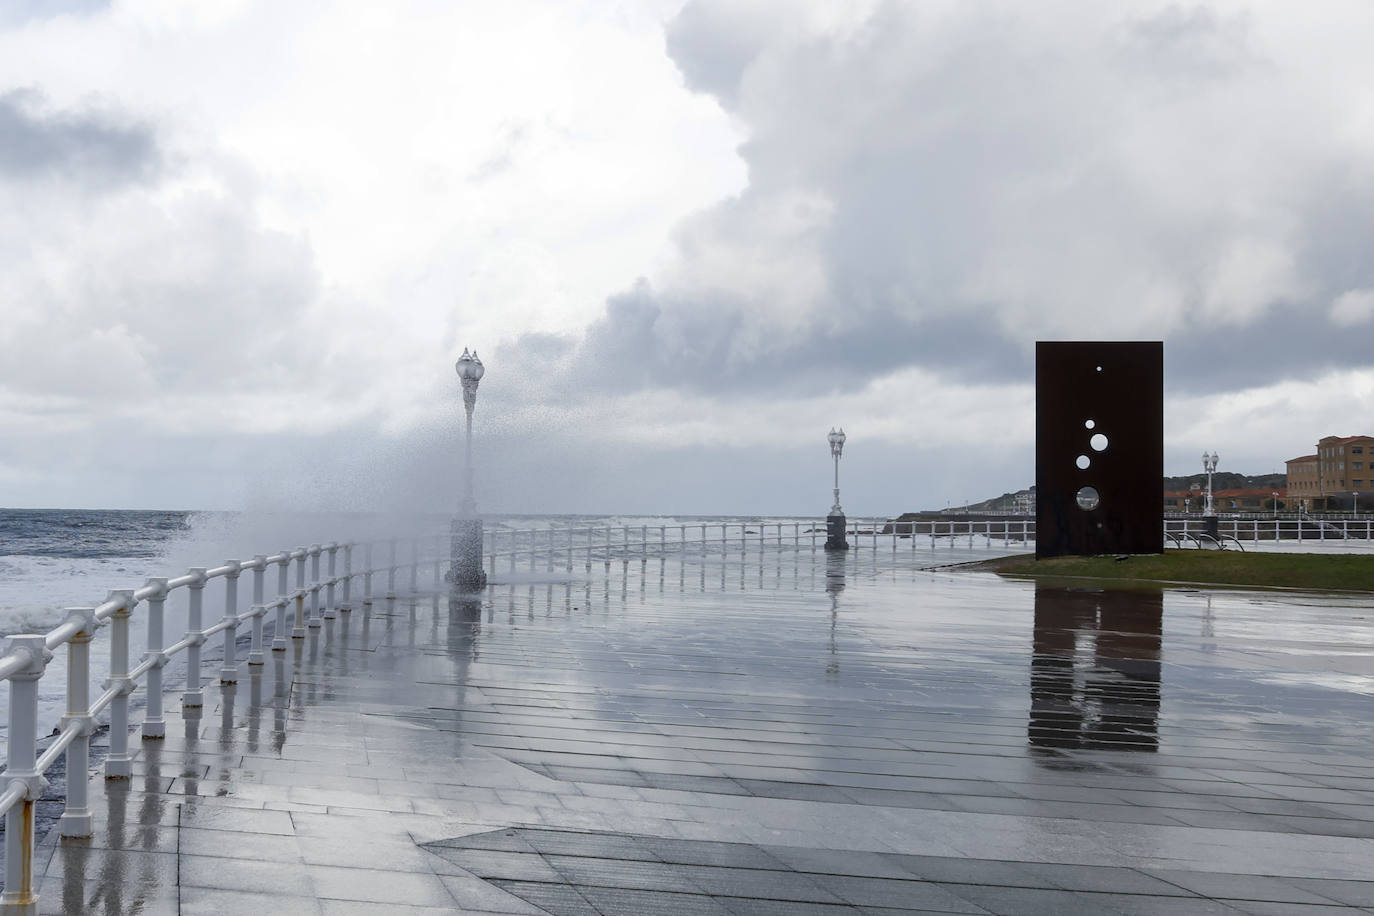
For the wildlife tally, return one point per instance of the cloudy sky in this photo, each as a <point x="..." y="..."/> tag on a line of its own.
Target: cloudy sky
<point x="242" y="243"/>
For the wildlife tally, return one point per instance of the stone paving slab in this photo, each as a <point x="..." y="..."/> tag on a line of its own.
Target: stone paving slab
<point x="783" y="732"/>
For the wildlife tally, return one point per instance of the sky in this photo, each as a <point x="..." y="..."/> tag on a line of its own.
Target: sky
<point x="242" y="244"/>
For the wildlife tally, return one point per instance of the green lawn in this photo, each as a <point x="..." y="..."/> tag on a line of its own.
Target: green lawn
<point x="1211" y="567"/>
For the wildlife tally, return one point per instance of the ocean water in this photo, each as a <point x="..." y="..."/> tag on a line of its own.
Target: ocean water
<point x="53" y="559"/>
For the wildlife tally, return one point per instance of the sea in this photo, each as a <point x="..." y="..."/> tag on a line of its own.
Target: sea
<point x="54" y="559"/>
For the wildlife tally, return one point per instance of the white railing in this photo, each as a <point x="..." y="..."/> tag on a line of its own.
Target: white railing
<point x="571" y="546"/>
<point x="1285" y="528"/>
<point x="535" y="549"/>
<point x="26" y="657"/>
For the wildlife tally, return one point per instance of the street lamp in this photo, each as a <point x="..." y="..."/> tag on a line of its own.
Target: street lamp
<point x="470" y="371"/>
<point x="1209" y="464"/>
<point x="466" y="574"/>
<point x="836" y="440"/>
<point x="835" y="521"/>
<point x="1276" y="504"/>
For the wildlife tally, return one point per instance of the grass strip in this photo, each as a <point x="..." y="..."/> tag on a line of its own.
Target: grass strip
<point x="1327" y="572"/>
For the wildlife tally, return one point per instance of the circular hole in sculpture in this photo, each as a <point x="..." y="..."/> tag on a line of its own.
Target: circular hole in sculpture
<point x="1087" y="498"/>
<point x="1089" y="424"/>
<point x="1098" y="442"/>
<point x="1099" y="368"/>
<point x="1082" y="461"/>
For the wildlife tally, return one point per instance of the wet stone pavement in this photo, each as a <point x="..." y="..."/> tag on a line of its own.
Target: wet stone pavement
<point x="775" y="733"/>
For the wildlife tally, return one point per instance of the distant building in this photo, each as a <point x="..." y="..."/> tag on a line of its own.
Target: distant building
<point x="1329" y="479"/>
<point x="1235" y="499"/>
<point x="1304" y="479"/>
<point x="1024" y="502"/>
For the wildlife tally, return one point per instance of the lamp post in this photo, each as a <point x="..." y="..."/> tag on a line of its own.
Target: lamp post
<point x="1210" y="524"/>
<point x="1209" y="464"/>
<point x="835" y="521"/>
<point x="1276" y="504"/>
<point x="465" y="573"/>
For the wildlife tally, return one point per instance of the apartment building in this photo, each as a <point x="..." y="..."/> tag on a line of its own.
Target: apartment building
<point x="1340" y="468"/>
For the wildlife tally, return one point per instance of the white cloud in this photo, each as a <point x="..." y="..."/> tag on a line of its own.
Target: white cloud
<point x="298" y="214"/>
<point x="1353" y="307"/>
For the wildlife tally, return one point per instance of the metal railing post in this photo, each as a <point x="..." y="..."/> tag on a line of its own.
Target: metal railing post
<point x="194" y="625"/>
<point x="19" y="896"/>
<point x="298" y="630"/>
<point x="367" y="575"/>
<point x="229" y="670"/>
<point x="283" y="587"/>
<point x="329" y="610"/>
<point x="391" y="569"/>
<point x="119" y="765"/>
<point x="414" y="567"/>
<point x="315" y="551"/>
<point x="76" y="818"/>
<point x="347" y="605"/>
<point x="154" y="726"/>
<point x="259" y="609"/>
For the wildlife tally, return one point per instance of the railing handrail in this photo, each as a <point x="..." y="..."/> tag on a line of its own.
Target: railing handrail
<point x="606" y="539"/>
<point x="26" y="656"/>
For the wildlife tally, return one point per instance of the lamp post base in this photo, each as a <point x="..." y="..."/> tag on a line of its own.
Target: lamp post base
<point x="835" y="525"/>
<point x="465" y="573"/>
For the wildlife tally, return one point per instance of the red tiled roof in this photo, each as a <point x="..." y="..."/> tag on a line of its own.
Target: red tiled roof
<point x="1261" y="492"/>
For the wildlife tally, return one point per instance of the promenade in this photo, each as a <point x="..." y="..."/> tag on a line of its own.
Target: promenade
<point x="779" y="733"/>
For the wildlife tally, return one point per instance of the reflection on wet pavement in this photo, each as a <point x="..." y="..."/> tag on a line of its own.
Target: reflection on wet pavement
<point x="760" y="734"/>
<point x="1095" y="668"/>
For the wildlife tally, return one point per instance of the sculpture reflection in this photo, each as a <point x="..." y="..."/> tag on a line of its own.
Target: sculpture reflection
<point x="1095" y="669"/>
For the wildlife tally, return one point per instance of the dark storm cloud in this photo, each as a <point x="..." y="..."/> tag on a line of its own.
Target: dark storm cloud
<point x="988" y="176"/>
<point x="643" y="343"/>
<point x="91" y="148"/>
<point x="1282" y="346"/>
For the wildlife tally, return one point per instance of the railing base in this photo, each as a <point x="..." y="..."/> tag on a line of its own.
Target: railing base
<point x="71" y="824"/>
<point x="835" y="532"/>
<point x="27" y="906"/>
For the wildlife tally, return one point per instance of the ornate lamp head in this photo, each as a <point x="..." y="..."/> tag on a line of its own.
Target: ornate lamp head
<point x="469" y="367"/>
<point x="470" y="372"/>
